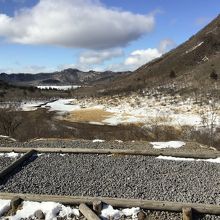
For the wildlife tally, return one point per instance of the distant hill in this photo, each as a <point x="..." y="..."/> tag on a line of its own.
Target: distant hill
<point x="188" y="67"/>
<point x="64" y="77"/>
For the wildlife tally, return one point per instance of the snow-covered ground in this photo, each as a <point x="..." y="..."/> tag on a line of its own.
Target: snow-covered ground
<point x="31" y="106"/>
<point x="165" y="110"/>
<point x="52" y="210"/>
<point x="60" y="105"/>
<point x="141" y="109"/>
<point x="59" y="87"/>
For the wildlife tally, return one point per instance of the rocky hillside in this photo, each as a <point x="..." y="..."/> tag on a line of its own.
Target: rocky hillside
<point x="65" y="77"/>
<point x="194" y="65"/>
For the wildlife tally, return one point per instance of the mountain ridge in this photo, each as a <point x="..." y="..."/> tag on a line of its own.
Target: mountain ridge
<point x="192" y="62"/>
<point x="63" y="77"/>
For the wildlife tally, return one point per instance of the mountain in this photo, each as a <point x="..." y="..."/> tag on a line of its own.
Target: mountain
<point x="64" y="77"/>
<point x="187" y="67"/>
<point x="194" y="66"/>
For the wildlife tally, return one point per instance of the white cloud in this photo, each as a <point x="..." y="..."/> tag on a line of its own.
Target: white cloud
<point x="26" y="69"/>
<point x="75" y="23"/>
<point x="140" y="57"/>
<point x="95" y="60"/>
<point x="166" y="45"/>
<point x="98" y="57"/>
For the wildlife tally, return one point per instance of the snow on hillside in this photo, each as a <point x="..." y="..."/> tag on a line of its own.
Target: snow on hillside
<point x="59" y="87"/>
<point x="193" y="48"/>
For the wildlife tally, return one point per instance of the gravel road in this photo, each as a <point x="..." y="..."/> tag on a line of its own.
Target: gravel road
<point x="119" y="176"/>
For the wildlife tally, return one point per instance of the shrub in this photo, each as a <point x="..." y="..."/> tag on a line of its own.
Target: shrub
<point x="214" y="75"/>
<point x="172" y="74"/>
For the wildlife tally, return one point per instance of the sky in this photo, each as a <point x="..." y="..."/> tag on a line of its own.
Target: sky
<point x="118" y="35"/>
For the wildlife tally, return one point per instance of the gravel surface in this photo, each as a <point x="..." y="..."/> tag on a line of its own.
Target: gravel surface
<point x="140" y="145"/>
<point x="119" y="176"/>
<point x="156" y="215"/>
<point x="78" y="144"/>
<point x="206" y="217"/>
<point x="5" y="161"/>
<point x="163" y="215"/>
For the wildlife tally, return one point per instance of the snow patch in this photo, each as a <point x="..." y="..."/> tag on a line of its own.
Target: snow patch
<point x="11" y="155"/>
<point x="62" y="105"/>
<point x="131" y="212"/>
<point x="193" y="48"/>
<point x="50" y="209"/>
<point x="175" y="158"/>
<point x="59" y="87"/>
<point x="68" y="211"/>
<point x="108" y="212"/>
<point x="216" y="160"/>
<point x="4" y="206"/>
<point x="98" y="141"/>
<point x="95" y="123"/>
<point x="31" y="106"/>
<point x="169" y="144"/>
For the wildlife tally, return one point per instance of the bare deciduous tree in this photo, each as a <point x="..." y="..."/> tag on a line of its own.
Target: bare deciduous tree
<point x="9" y="119"/>
<point x="209" y="117"/>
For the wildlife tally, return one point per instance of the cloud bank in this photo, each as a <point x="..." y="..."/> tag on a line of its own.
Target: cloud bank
<point x="76" y="24"/>
<point x="95" y="60"/>
<point x="140" y="57"/>
<point x="98" y="57"/>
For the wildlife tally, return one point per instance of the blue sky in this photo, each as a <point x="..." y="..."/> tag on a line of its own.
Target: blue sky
<point x="48" y="35"/>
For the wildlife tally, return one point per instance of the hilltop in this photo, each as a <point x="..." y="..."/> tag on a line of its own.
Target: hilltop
<point x="187" y="68"/>
<point x="65" y="77"/>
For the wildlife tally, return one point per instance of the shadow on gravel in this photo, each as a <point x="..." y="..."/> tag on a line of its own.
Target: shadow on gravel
<point x="17" y="170"/>
<point x="200" y="216"/>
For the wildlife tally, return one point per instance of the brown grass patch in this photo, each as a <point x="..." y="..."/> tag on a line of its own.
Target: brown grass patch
<point x="89" y="115"/>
